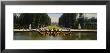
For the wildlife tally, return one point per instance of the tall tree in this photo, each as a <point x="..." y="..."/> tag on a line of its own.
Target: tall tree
<point x="68" y="20"/>
<point x="35" y="19"/>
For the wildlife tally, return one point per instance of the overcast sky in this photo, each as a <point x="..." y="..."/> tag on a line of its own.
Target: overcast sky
<point x="90" y="15"/>
<point x="55" y="16"/>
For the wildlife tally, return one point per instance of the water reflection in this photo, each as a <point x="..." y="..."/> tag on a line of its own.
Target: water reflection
<point x="53" y="38"/>
<point x="73" y="36"/>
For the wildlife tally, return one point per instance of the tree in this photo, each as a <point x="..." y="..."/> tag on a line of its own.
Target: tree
<point x="36" y="19"/>
<point x="68" y="20"/>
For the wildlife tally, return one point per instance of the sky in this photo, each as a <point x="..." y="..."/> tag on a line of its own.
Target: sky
<point x="90" y="15"/>
<point x="55" y="16"/>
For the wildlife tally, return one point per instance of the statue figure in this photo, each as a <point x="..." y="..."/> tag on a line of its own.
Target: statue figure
<point x="79" y="26"/>
<point x="30" y="27"/>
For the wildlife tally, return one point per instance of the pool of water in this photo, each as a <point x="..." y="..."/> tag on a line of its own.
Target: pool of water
<point x="37" y="36"/>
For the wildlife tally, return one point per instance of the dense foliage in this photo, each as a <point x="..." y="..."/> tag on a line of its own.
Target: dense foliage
<point x="69" y="20"/>
<point x="37" y="20"/>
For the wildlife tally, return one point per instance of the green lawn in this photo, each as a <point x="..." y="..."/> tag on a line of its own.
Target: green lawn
<point x="54" y="26"/>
